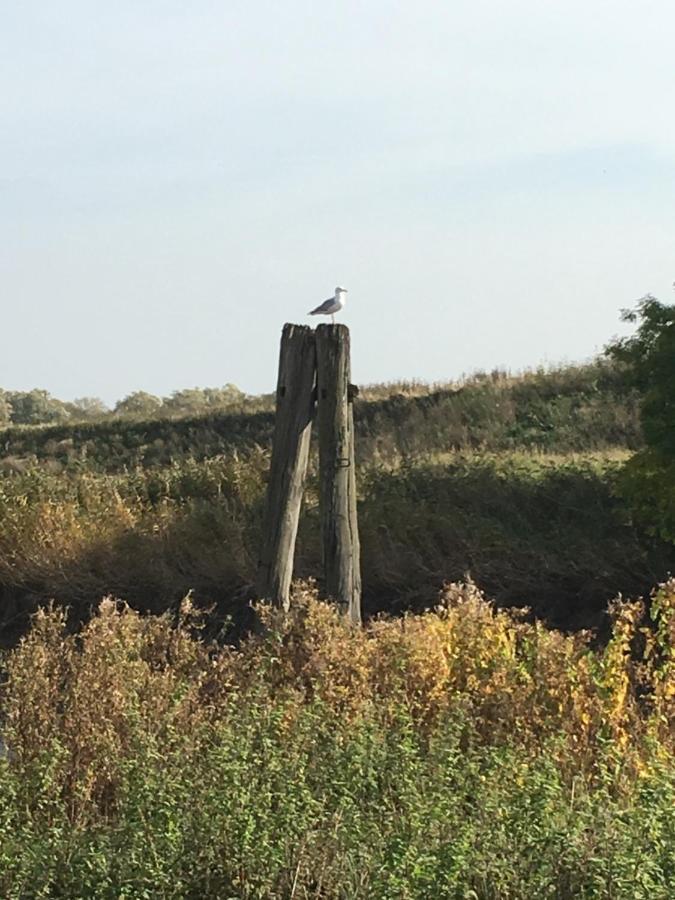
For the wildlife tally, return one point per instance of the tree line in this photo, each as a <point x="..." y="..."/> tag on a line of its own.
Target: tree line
<point x="39" y="407"/>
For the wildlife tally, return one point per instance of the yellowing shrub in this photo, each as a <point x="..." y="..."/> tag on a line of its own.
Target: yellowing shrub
<point x="76" y="706"/>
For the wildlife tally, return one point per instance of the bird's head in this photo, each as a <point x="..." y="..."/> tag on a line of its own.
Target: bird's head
<point x="340" y="290"/>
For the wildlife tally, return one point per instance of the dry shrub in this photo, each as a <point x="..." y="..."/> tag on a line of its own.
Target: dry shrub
<point x="149" y="536"/>
<point x="312" y="650"/>
<point x="78" y="707"/>
<point x="86" y="701"/>
<point x="520" y="680"/>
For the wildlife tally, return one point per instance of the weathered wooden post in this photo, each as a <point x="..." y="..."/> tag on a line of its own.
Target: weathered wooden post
<point x="290" y="452"/>
<point x="339" y="524"/>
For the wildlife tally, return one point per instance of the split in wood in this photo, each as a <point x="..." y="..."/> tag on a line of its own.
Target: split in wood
<point x="307" y="356"/>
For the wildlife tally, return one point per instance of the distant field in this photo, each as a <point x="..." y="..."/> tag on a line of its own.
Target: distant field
<point x="573" y="409"/>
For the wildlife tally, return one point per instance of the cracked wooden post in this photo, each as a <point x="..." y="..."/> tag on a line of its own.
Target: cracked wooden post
<point x="290" y="452"/>
<point x="339" y="525"/>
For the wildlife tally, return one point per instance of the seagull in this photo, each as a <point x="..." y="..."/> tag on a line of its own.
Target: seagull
<point x="332" y="305"/>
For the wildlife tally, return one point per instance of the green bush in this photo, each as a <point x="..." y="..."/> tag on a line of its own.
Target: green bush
<point x="456" y="754"/>
<point x="647" y="359"/>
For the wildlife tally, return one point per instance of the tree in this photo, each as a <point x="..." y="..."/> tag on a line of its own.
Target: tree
<point x="36" y="407"/>
<point x="648" y="359"/>
<point x="228" y="395"/>
<point x="138" y="404"/>
<point x="87" y="408"/>
<point x="5" y="408"/>
<point x="648" y="362"/>
<point x="201" y="400"/>
<point x="186" y="402"/>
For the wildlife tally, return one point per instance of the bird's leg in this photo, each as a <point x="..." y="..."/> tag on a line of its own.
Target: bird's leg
<point x="332" y="318"/>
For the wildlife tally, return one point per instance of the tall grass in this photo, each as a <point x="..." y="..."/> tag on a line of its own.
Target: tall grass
<point x="150" y="510"/>
<point x="548" y="532"/>
<point x="149" y="535"/>
<point x="545" y="532"/>
<point x="458" y="753"/>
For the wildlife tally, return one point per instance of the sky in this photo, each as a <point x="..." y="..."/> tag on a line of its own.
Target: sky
<point x="492" y="182"/>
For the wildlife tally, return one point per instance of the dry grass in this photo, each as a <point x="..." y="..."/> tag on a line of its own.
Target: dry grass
<point x="532" y="529"/>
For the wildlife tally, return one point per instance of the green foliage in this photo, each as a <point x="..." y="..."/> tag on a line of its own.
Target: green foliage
<point x="87" y="408"/>
<point x="118" y="444"/>
<point x="139" y="404"/>
<point x="647" y="484"/>
<point x="648" y="361"/>
<point x="38" y="407"/>
<point x="574" y="409"/>
<point x="5" y="408"/>
<point x="193" y="401"/>
<point x="35" y="407"/>
<point x="457" y="754"/>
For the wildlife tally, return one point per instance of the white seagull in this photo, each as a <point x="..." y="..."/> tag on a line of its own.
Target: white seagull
<point x="332" y="305"/>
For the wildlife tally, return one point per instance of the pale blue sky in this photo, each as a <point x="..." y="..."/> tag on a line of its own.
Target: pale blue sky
<point x="491" y="181"/>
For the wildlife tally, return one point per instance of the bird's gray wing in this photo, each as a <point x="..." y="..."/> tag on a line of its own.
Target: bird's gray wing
<point x="323" y="307"/>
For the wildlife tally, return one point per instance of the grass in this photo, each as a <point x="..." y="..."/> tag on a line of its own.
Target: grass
<point x="541" y="531"/>
<point x="459" y="753"/>
<point x="546" y="532"/>
<point x="572" y="409"/>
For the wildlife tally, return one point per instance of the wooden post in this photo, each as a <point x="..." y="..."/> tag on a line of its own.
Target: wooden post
<point x="339" y="525"/>
<point x="290" y="452"/>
